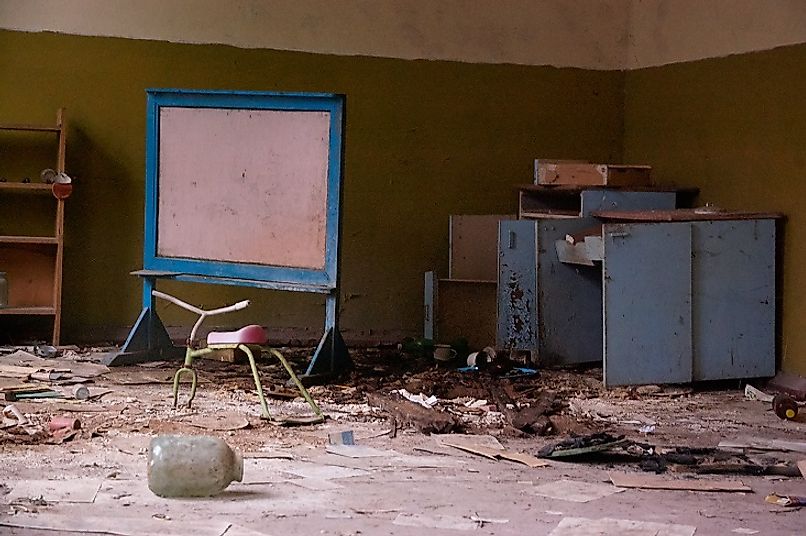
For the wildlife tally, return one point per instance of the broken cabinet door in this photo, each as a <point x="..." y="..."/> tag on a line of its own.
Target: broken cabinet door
<point x="569" y="299"/>
<point x="517" y="285"/>
<point x="647" y="303"/>
<point x="734" y="293"/>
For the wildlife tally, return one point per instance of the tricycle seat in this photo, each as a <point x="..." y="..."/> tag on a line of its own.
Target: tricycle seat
<point x="252" y="334"/>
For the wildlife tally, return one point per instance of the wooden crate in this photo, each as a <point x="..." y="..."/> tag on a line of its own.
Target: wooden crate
<point x="566" y="172"/>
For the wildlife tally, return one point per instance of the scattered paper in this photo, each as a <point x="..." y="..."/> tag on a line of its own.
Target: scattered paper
<point x="316" y="484"/>
<point x="358" y="451"/>
<point x="745" y="531"/>
<point x="579" y="526"/>
<point x="488" y="520"/>
<point x="435" y="522"/>
<point x="575" y="491"/>
<point x="324" y="472"/>
<point x="751" y="393"/>
<point x="426" y="402"/>
<point x="642" y="481"/>
<point x="802" y="468"/>
<point x="72" y="490"/>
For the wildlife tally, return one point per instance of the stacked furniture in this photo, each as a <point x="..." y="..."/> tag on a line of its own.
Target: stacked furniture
<point x="621" y="274"/>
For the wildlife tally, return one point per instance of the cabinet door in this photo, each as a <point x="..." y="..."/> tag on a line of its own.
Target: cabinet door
<point x="734" y="308"/>
<point x="569" y="299"/>
<point x="647" y="303"/>
<point x="517" y="285"/>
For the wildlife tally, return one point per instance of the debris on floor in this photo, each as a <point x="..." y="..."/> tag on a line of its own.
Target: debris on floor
<point x="359" y="467"/>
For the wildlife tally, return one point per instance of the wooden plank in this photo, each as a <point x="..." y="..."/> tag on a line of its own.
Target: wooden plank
<point x="28" y="311"/>
<point x="29" y="128"/>
<point x="644" y="481"/>
<point x="681" y="215"/>
<point x="474" y="246"/>
<point x="57" y="276"/>
<point x="763" y="443"/>
<point x="28" y="240"/>
<point x="26" y="186"/>
<point x="553" y="172"/>
<point x="566" y="190"/>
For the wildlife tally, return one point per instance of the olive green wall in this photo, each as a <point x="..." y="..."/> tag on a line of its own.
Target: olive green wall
<point x="735" y="127"/>
<point x="425" y="139"/>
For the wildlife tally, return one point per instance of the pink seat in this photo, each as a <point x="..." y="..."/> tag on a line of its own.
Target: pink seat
<point x="252" y="334"/>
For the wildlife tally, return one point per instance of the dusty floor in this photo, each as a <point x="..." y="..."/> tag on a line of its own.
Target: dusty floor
<point x="309" y="491"/>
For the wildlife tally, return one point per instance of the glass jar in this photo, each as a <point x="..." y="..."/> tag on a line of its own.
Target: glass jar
<point x="191" y="466"/>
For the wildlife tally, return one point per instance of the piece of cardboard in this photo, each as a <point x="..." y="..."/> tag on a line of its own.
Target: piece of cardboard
<point x="574" y="491"/>
<point x="67" y="490"/>
<point x="579" y="526"/>
<point x="642" y="481"/>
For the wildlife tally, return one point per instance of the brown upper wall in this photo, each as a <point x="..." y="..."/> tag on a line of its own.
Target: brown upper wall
<point x="602" y="35"/>
<point x="576" y="33"/>
<point x="673" y="31"/>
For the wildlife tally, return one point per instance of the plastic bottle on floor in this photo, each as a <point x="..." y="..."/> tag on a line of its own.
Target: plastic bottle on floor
<point x="191" y="466"/>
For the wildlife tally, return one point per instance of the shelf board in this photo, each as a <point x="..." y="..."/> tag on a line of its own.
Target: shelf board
<point x="30" y="128"/>
<point x="27" y="311"/>
<point x="26" y="186"/>
<point x="28" y="240"/>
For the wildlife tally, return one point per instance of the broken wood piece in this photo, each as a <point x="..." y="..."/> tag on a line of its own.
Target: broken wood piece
<point x="407" y="413"/>
<point x="487" y="452"/>
<point x="13" y="396"/>
<point x="491" y="452"/>
<point x="627" y="480"/>
<point x="762" y="443"/>
<point x="522" y="457"/>
<point x="565" y="172"/>
<point x="51" y="375"/>
<point x="473" y="440"/>
<point x="268" y="455"/>
<point x="14" y="371"/>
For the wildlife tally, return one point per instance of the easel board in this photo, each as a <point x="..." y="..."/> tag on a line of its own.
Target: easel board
<point x="244" y="185"/>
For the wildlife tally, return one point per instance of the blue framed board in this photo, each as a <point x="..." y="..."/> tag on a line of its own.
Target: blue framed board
<point x="242" y="188"/>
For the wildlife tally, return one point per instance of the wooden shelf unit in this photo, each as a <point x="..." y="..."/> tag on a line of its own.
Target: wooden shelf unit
<point x="33" y="264"/>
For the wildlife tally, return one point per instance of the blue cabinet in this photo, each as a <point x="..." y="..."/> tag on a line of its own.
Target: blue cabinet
<point x="656" y="296"/>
